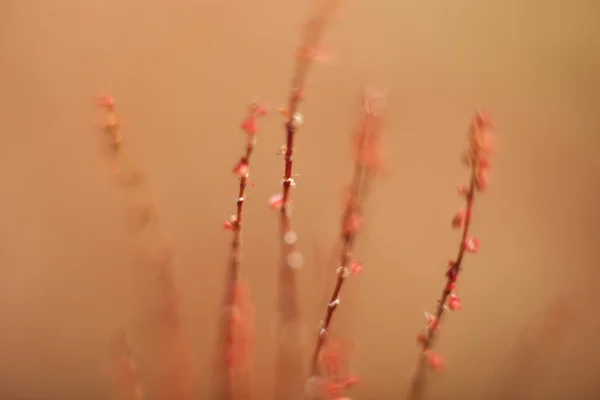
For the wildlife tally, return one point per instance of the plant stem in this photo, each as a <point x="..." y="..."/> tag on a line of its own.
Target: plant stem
<point x="174" y="380"/>
<point x="369" y="125"/>
<point x="348" y="239"/>
<point x="288" y="370"/>
<point x="232" y="280"/>
<point x="417" y="382"/>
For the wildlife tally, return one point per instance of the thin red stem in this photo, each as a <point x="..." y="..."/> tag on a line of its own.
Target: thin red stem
<point x="368" y="130"/>
<point x="232" y="280"/>
<point x="288" y="379"/>
<point x="348" y="239"/>
<point x="416" y="385"/>
<point x="455" y="268"/>
<point x="477" y="159"/>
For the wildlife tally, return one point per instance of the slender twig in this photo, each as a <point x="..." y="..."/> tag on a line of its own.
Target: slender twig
<point x="477" y="159"/>
<point x="234" y="224"/>
<point x="174" y="380"/>
<point x="288" y="379"/>
<point x="367" y="134"/>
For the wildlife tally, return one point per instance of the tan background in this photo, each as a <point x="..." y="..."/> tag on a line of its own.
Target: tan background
<point x="182" y="71"/>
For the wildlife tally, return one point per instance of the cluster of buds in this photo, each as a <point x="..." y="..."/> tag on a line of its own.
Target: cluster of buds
<point x="112" y="125"/>
<point x="476" y="157"/>
<point x="126" y="175"/>
<point x="250" y="126"/>
<point x="241" y="169"/>
<point x="480" y="149"/>
<point x="236" y="328"/>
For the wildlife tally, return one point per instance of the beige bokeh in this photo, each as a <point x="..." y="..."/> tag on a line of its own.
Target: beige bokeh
<point x="182" y="72"/>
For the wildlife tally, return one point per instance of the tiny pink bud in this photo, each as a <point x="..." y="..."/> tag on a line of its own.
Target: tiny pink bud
<point x="459" y="219"/>
<point x="242" y="169"/>
<point x="482" y="179"/>
<point x="471" y="245"/>
<point x="463" y="190"/>
<point x="276" y="201"/>
<point x="432" y="321"/>
<point x="107" y="101"/>
<point x="228" y="225"/>
<point x="434" y="361"/>
<point x="452" y="274"/>
<point x="422" y="339"/>
<point x="454" y="303"/>
<point x="484" y="163"/>
<point x="356" y="267"/>
<point x="261" y="110"/>
<point x="352" y="224"/>
<point x="250" y="125"/>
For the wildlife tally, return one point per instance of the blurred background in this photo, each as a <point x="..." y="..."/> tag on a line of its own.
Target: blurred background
<point x="182" y="73"/>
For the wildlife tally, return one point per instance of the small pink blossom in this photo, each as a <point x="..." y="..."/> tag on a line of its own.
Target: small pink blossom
<point x="459" y="219"/>
<point x="260" y="110"/>
<point x="276" y="201"/>
<point x="356" y="267"/>
<point x="434" y="361"/>
<point x="454" y="303"/>
<point x="242" y="169"/>
<point x="432" y="321"/>
<point x="422" y="338"/>
<point x="463" y="190"/>
<point x="229" y="225"/>
<point x="250" y="125"/>
<point x="107" y="102"/>
<point x="471" y="245"/>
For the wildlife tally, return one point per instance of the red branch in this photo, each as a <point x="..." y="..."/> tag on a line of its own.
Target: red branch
<point x="288" y="357"/>
<point x="366" y="142"/>
<point x="232" y="290"/>
<point x="477" y="159"/>
<point x="174" y="379"/>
